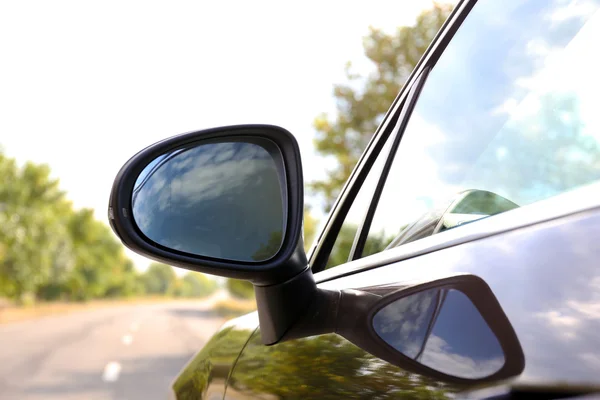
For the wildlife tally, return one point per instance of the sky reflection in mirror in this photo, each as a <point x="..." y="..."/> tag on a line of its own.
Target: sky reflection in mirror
<point x="220" y="200"/>
<point x="443" y="330"/>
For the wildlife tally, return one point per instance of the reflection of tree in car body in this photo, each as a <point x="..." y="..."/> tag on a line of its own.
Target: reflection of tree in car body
<point x="331" y="368"/>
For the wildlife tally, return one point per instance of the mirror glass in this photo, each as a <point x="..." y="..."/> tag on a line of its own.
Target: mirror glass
<point x="223" y="200"/>
<point x="443" y="330"/>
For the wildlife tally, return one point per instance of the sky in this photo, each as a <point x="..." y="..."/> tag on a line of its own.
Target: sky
<point x="85" y="85"/>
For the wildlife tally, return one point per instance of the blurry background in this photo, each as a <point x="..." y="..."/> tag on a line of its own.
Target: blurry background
<point x="83" y="86"/>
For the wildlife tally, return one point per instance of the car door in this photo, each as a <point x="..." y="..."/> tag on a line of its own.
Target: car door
<point x="487" y="164"/>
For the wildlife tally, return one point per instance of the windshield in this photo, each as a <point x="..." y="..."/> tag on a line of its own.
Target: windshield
<point x="509" y="108"/>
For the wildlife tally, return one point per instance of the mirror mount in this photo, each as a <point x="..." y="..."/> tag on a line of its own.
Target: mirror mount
<point x="332" y="311"/>
<point x="281" y="306"/>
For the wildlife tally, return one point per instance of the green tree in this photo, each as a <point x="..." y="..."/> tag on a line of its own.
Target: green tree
<point x="34" y="243"/>
<point x="340" y="252"/>
<point x="343" y="245"/>
<point x="551" y="148"/>
<point x="49" y="251"/>
<point x="244" y="289"/>
<point x="239" y="288"/>
<point x="101" y="267"/>
<point x="159" y="278"/>
<point x="363" y="100"/>
<point x="179" y="288"/>
<point x="124" y="280"/>
<point x="269" y="249"/>
<point x="198" y="285"/>
<point x="310" y="228"/>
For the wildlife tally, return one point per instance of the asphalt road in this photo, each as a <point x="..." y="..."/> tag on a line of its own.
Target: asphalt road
<point x="125" y="352"/>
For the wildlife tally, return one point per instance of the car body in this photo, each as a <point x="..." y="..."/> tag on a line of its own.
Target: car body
<point x="539" y="258"/>
<point x="552" y="307"/>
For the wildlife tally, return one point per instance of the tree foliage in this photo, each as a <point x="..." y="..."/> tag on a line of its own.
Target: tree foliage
<point x="50" y="251"/>
<point x="318" y="367"/>
<point x="239" y="288"/>
<point x="35" y="246"/>
<point x="340" y="252"/>
<point x="101" y="268"/>
<point x="363" y="100"/>
<point x="193" y="284"/>
<point x="213" y="362"/>
<point x="159" y="278"/>
<point x="325" y="367"/>
<point x="244" y="289"/>
<point x="310" y="228"/>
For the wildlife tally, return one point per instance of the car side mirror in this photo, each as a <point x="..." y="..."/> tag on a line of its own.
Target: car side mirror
<point x="229" y="201"/>
<point x="225" y="201"/>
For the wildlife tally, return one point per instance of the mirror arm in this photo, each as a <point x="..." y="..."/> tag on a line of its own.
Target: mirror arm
<point x="319" y="318"/>
<point x="333" y="311"/>
<point x="353" y="316"/>
<point x="282" y="305"/>
<point x="297" y="308"/>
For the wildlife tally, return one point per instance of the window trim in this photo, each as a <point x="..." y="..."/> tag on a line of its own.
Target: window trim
<point x="398" y="132"/>
<point x="573" y="204"/>
<point x="322" y="246"/>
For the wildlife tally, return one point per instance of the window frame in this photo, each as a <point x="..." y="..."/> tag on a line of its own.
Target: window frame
<point x="319" y="254"/>
<point x="363" y="229"/>
<point x="322" y="246"/>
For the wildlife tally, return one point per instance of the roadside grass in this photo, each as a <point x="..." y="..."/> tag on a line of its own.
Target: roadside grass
<point x="13" y="313"/>
<point x="228" y="307"/>
<point x="232" y="307"/>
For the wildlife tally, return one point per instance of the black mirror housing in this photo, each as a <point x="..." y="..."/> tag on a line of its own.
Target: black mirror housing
<point x="285" y="263"/>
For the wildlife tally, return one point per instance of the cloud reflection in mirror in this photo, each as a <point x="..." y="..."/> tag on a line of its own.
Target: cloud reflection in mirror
<point x="441" y="329"/>
<point x="221" y="200"/>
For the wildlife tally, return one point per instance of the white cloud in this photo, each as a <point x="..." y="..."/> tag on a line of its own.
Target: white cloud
<point x="439" y="356"/>
<point x="572" y="9"/>
<point x="414" y="185"/>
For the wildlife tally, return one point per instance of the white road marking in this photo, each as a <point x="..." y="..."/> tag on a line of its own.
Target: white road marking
<point x="127" y="339"/>
<point x="111" y="372"/>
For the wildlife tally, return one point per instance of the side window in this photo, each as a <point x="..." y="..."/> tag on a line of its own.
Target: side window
<point x="340" y="253"/>
<point x="507" y="117"/>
